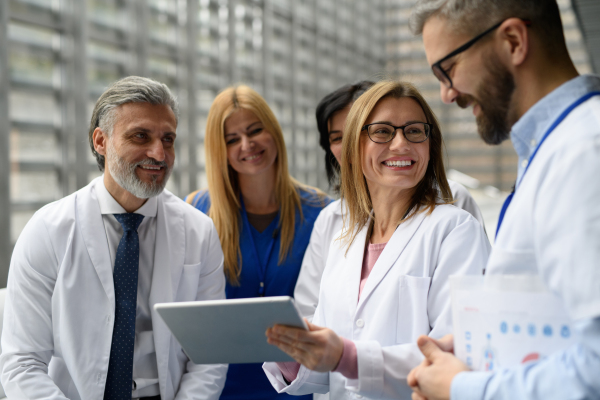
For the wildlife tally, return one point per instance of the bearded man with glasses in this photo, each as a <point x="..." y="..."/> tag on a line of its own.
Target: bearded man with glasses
<point x="509" y="61"/>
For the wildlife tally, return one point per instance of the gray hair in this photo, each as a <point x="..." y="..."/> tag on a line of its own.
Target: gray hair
<point x="475" y="16"/>
<point x="132" y="89"/>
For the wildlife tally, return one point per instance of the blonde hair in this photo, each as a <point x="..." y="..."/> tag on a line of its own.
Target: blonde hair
<point x="223" y="185"/>
<point x="431" y="190"/>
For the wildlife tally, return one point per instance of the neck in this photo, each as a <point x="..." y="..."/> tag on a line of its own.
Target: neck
<point x="533" y="84"/>
<point x="258" y="192"/>
<point x="389" y="206"/>
<point x="125" y="199"/>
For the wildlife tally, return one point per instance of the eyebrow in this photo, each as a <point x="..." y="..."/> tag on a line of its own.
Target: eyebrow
<point x="389" y="123"/>
<point x="247" y="128"/>
<point x="138" y="129"/>
<point x="254" y="123"/>
<point x="335" y="131"/>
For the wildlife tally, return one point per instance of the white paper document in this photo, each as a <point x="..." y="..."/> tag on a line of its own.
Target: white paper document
<point x="506" y="320"/>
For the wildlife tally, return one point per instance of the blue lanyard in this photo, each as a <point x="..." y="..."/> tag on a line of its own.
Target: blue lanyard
<point x="560" y="119"/>
<point x="262" y="268"/>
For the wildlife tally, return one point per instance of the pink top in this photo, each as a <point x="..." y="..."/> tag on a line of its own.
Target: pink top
<point x="372" y="253"/>
<point x="348" y="365"/>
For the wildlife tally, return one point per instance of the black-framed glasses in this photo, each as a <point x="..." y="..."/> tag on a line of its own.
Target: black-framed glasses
<point x="414" y="132"/>
<point x="441" y="73"/>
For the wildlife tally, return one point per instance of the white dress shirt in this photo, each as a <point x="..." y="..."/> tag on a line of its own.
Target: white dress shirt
<point x="145" y="370"/>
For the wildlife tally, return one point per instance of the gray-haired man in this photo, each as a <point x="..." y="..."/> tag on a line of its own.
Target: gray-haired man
<point x="88" y="269"/>
<point x="508" y="60"/>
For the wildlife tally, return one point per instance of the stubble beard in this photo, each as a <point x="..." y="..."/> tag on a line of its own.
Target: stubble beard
<point x="495" y="99"/>
<point x="124" y="173"/>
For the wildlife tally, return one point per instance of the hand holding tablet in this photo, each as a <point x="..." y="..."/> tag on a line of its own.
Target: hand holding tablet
<point x="318" y="349"/>
<point x="230" y="331"/>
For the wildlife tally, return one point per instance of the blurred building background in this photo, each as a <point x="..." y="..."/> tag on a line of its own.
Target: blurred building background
<point x="57" y="56"/>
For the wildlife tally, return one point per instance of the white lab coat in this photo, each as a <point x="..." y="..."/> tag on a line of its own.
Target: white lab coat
<point x="552" y="226"/>
<point x="407" y="294"/>
<point x="60" y="306"/>
<point x="328" y="223"/>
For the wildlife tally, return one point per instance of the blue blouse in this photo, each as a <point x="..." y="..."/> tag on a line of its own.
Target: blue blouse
<point x="248" y="381"/>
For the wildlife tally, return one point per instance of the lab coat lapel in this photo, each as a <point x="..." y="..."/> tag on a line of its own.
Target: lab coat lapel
<point x="89" y="220"/>
<point x="390" y="254"/>
<point x="354" y="260"/>
<point x="169" y="257"/>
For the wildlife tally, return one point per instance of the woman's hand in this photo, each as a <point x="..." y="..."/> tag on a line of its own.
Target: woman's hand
<point x="318" y="349"/>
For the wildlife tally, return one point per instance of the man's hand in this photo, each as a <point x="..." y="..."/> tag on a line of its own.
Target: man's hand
<point x="318" y="349"/>
<point x="432" y="379"/>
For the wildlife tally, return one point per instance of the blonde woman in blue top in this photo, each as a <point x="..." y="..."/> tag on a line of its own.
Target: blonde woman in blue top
<point x="263" y="216"/>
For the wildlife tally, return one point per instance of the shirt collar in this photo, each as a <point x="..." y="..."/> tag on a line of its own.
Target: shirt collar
<point x="108" y="204"/>
<point x="532" y="126"/>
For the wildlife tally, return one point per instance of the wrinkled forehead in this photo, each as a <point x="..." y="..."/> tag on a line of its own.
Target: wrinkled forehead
<point x="154" y="116"/>
<point x="440" y="37"/>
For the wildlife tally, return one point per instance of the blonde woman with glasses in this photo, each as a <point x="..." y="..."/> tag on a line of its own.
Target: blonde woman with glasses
<point x="331" y="118"/>
<point x="263" y="216"/>
<point x="386" y="278"/>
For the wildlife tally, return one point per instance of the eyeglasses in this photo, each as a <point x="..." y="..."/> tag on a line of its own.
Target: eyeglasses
<point x="415" y="132"/>
<point x="442" y="74"/>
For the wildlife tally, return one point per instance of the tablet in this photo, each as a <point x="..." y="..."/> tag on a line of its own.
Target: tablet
<point x="230" y="331"/>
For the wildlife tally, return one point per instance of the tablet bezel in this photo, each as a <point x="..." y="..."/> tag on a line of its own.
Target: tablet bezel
<point x="230" y="331"/>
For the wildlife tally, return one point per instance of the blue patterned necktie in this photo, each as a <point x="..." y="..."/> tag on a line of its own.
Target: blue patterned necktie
<point x="125" y="276"/>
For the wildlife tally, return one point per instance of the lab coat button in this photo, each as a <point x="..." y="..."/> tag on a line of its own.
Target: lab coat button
<point x="533" y="143"/>
<point x="360" y="323"/>
<point x="524" y="163"/>
<point x="358" y="396"/>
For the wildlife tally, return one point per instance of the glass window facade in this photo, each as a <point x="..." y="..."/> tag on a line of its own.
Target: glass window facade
<point x="58" y="56"/>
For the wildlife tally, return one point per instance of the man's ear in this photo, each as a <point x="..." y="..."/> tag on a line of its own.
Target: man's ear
<point x="515" y="40"/>
<point x="100" y="140"/>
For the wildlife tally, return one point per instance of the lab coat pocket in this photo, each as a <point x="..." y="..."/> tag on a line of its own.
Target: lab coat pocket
<point x="188" y="285"/>
<point x="412" y="308"/>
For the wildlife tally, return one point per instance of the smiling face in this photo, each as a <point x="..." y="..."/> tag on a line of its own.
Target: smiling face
<point x="479" y="79"/>
<point x="140" y="151"/>
<point x="336" y="126"/>
<point x="251" y="149"/>
<point x="399" y="163"/>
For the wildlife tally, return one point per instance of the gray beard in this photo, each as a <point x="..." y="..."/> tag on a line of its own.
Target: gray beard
<point x="125" y="175"/>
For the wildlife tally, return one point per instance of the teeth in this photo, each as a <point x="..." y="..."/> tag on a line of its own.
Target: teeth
<point x="403" y="163"/>
<point x="252" y="157"/>
<point x="150" y="167"/>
